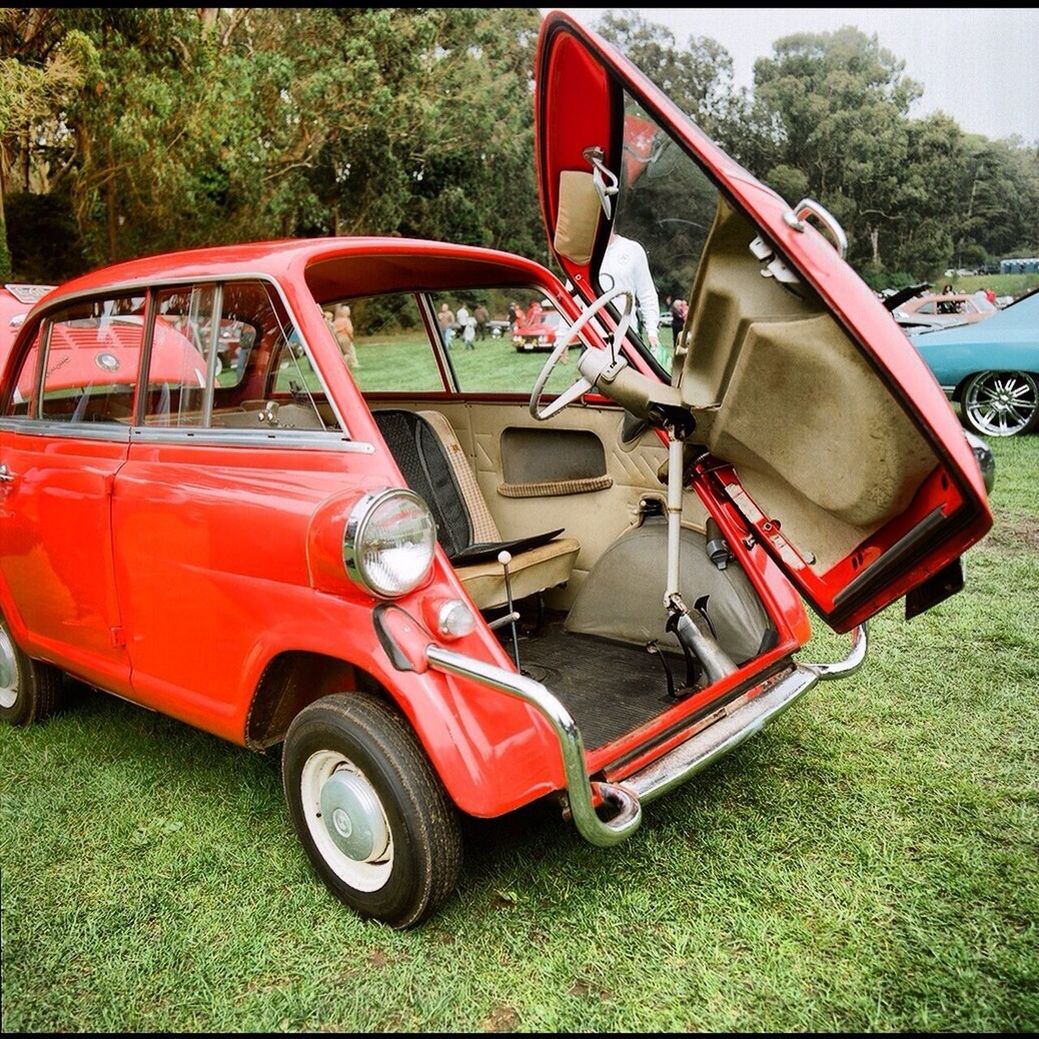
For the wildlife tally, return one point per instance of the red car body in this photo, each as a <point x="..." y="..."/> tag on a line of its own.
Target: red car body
<point x="208" y="565"/>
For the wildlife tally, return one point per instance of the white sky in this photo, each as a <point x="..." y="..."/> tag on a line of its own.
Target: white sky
<point x="980" y="65"/>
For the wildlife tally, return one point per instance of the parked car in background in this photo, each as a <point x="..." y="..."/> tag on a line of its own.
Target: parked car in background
<point x="489" y="585"/>
<point x="991" y="369"/>
<point x="939" y="310"/>
<point x="15" y="302"/>
<point x="538" y="330"/>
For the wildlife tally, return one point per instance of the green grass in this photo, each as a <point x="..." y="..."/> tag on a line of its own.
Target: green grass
<point x="867" y="862"/>
<point x="1001" y="284"/>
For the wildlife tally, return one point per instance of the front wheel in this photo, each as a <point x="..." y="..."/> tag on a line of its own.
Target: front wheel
<point x="1000" y="404"/>
<point x="369" y="810"/>
<point x="30" y="691"/>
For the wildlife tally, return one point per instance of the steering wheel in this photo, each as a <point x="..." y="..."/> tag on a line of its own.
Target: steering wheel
<point x="582" y="385"/>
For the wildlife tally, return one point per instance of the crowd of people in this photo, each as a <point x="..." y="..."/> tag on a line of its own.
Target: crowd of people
<point x="468" y="326"/>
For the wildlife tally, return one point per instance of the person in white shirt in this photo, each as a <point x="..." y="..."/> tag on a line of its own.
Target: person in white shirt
<point x="625" y="265"/>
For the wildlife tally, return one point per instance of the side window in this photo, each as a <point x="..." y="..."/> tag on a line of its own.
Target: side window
<point x="22" y="402"/>
<point x="213" y="349"/>
<point x="184" y="339"/>
<point x="383" y="341"/>
<point x="499" y="339"/>
<point x="93" y="353"/>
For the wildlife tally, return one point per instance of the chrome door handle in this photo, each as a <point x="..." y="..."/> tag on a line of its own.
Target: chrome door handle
<point x="6" y="476"/>
<point x="809" y="207"/>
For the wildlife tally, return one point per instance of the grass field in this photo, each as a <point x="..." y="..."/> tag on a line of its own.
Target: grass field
<point x="870" y="861"/>
<point x="1001" y="284"/>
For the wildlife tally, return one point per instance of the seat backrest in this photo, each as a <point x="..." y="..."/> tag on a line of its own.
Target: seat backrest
<point x="485" y="530"/>
<point x="430" y="471"/>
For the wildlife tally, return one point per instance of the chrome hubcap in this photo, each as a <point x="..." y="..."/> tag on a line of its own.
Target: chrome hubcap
<point x="346" y="820"/>
<point x="352" y="816"/>
<point x="1002" y="403"/>
<point x="8" y="671"/>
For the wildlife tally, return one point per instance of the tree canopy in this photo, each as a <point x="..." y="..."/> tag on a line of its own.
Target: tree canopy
<point x="128" y="131"/>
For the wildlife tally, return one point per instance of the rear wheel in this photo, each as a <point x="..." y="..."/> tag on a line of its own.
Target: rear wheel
<point x="369" y="810"/>
<point x="29" y="691"/>
<point x="1001" y="404"/>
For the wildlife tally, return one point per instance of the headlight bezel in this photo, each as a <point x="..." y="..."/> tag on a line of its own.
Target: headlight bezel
<point x="365" y="508"/>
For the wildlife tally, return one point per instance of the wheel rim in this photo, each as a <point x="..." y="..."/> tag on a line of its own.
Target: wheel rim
<point x="346" y="820"/>
<point x="8" y="671"/>
<point x="1001" y="404"/>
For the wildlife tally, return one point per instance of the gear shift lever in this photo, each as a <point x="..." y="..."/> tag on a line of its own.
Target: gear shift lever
<point x="505" y="557"/>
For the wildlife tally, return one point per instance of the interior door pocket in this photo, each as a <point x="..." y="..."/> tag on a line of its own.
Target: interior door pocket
<point x="541" y="463"/>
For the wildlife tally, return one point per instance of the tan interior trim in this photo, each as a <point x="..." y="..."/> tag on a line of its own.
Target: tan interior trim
<point x="552" y="488"/>
<point x="577" y="218"/>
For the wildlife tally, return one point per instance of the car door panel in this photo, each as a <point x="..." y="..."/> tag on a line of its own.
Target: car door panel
<point x="823" y="425"/>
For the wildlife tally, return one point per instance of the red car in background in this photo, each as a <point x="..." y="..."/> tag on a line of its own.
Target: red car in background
<point x="455" y="595"/>
<point x="16" y="300"/>
<point x="538" y="329"/>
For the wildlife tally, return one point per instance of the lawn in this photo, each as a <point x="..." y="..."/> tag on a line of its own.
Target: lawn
<point x="868" y="862"/>
<point x="1001" y="284"/>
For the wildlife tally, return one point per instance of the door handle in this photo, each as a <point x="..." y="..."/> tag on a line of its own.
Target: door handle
<point x="6" y="476"/>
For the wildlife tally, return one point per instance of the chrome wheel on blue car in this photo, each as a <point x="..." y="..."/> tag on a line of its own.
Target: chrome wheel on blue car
<point x="1001" y="404"/>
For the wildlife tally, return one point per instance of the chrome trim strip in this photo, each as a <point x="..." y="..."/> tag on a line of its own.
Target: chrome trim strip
<point x="300" y="439"/>
<point x="672" y="769"/>
<point x="571" y="746"/>
<point x="714" y="742"/>
<point x="68" y="430"/>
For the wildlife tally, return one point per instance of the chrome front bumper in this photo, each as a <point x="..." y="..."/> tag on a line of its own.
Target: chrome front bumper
<point x="733" y="724"/>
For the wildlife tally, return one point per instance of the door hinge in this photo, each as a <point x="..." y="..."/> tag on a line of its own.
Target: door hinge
<point x="118" y="637"/>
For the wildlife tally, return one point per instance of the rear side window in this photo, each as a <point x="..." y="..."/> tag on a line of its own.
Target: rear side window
<point x="92" y="357"/>
<point x="22" y="402"/>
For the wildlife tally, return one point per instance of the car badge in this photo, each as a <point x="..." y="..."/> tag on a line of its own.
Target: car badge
<point x="107" y="362"/>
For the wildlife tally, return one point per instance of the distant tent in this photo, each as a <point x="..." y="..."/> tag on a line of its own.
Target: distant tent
<point x="1019" y="266"/>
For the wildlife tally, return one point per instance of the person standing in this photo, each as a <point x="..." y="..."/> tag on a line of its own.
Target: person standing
<point x="482" y="315"/>
<point x="344" y="333"/>
<point x="468" y="329"/>
<point x="679" y="309"/>
<point x="625" y="265"/>
<point x="446" y="320"/>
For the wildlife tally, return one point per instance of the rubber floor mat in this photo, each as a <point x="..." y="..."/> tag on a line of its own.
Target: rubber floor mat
<point x="610" y="688"/>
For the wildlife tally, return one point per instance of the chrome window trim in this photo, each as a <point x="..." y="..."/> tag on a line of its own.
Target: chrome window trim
<point x="158" y="283"/>
<point x="441" y="356"/>
<point x="33" y="427"/>
<point x="282" y="439"/>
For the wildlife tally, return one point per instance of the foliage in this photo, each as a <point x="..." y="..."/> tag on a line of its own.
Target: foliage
<point x="169" y="127"/>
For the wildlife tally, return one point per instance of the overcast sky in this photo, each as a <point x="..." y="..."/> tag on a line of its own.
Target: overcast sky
<point x="980" y="65"/>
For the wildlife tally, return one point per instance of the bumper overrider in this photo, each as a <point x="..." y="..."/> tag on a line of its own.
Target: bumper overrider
<point x="740" y="719"/>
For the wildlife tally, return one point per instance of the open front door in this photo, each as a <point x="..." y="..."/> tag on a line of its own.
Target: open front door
<point x="823" y="429"/>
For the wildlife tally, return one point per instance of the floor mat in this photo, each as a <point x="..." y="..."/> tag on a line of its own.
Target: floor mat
<point x="610" y="688"/>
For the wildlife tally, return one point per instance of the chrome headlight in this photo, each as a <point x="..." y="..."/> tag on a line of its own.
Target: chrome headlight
<point x="389" y="542"/>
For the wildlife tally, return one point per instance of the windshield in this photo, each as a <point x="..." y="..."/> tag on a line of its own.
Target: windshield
<point x="665" y="207"/>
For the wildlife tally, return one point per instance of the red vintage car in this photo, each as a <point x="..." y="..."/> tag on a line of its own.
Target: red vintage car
<point x="495" y="585"/>
<point x="15" y="302"/>
<point x="538" y="331"/>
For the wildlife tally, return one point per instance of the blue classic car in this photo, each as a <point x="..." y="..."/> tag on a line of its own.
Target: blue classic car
<point x="991" y="368"/>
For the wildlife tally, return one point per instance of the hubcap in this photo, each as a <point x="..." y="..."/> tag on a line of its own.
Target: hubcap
<point x="346" y="820"/>
<point x="8" y="671"/>
<point x="1002" y="403"/>
<point x="352" y="816"/>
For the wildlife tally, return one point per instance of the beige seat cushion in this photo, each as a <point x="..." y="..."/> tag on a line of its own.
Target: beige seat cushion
<point x="536" y="570"/>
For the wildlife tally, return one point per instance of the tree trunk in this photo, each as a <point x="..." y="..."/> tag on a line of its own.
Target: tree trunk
<point x="874" y="241"/>
<point x="110" y="200"/>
